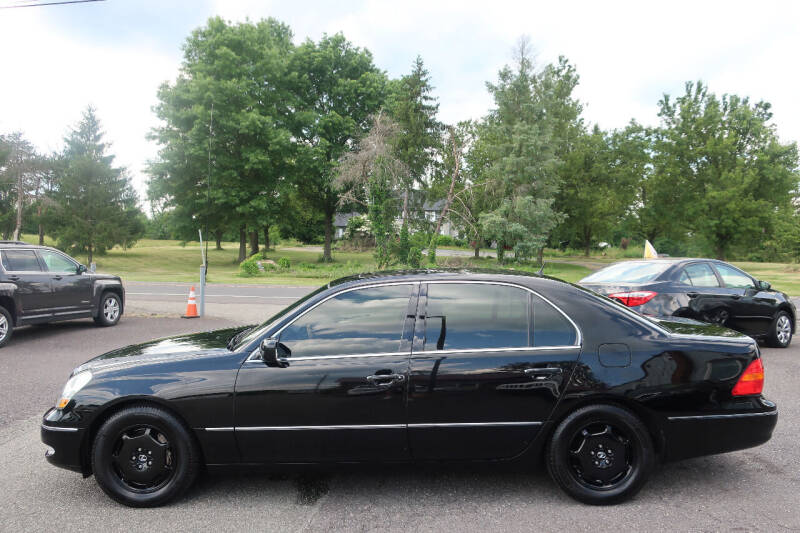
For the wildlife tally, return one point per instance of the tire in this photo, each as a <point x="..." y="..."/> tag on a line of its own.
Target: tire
<point x="6" y="326"/>
<point x="600" y="454"/>
<point x="144" y="456"/>
<point x="110" y="310"/>
<point x="780" y="331"/>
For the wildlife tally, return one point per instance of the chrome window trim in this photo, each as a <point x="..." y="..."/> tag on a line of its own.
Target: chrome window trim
<point x="298" y="317"/>
<point x="579" y="333"/>
<point x="376" y="426"/>
<point x="58" y="428"/>
<point x="718" y="417"/>
<point x="485" y="350"/>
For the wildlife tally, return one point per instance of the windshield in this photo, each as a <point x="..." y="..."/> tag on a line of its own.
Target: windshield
<point x="259" y="330"/>
<point x="628" y="272"/>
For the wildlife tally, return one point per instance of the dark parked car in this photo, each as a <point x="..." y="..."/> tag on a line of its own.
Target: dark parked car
<point x="418" y="366"/>
<point x="702" y="289"/>
<point x="39" y="284"/>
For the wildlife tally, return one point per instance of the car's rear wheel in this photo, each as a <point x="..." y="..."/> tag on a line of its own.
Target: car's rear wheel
<point x="110" y="310"/>
<point x="600" y="454"/>
<point x="143" y="456"/>
<point x="780" y="335"/>
<point x="6" y="326"/>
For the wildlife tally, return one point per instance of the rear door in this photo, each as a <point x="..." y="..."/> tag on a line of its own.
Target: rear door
<point x="72" y="292"/>
<point x="489" y="363"/>
<point x="35" y="294"/>
<point x="707" y="301"/>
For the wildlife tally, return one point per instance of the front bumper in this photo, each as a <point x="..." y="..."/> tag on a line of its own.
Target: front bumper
<point x="65" y="444"/>
<point x="697" y="434"/>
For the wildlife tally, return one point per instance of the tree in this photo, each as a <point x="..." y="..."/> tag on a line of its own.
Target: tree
<point x="95" y="203"/>
<point x="225" y="140"/>
<point x="20" y="165"/>
<point x="523" y="171"/>
<point x="337" y="88"/>
<point x="729" y="171"/>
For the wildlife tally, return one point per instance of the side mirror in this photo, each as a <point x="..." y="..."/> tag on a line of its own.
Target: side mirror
<point x="82" y="269"/>
<point x="763" y="285"/>
<point x="274" y="353"/>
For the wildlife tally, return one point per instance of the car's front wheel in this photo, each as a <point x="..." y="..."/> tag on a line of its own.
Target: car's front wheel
<point x="600" y="454"/>
<point x="6" y="326"/>
<point x="143" y="456"/>
<point x="110" y="310"/>
<point x="780" y="335"/>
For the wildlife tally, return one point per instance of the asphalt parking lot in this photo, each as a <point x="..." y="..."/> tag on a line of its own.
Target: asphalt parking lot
<point x="751" y="490"/>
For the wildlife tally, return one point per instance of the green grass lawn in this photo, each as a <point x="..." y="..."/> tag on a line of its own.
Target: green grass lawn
<point x="152" y="260"/>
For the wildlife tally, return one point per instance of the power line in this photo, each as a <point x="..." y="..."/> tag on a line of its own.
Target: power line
<point x="51" y="3"/>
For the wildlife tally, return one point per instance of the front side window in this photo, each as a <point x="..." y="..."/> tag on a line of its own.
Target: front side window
<point x="701" y="275"/>
<point x="361" y="321"/>
<point x="462" y="316"/>
<point x="733" y="278"/>
<point x="20" y="261"/>
<point x="58" y="263"/>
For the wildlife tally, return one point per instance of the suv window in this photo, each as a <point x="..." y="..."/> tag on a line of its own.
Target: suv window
<point x="362" y="321"/>
<point x="550" y="327"/>
<point x="20" y="261"/>
<point x="57" y="262"/>
<point x="701" y="275"/>
<point x="733" y="278"/>
<point x="474" y="315"/>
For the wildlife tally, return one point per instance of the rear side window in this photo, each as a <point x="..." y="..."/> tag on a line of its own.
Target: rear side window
<point x="20" y="261"/>
<point x="462" y="316"/>
<point x="550" y="327"/>
<point x="700" y="275"/>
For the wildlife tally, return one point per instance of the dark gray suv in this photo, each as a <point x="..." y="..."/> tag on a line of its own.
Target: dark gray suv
<point x="39" y="284"/>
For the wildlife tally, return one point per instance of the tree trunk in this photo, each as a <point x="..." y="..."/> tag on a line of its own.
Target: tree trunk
<point x="405" y="207"/>
<point x="540" y="255"/>
<point x="720" y="252"/>
<point x="41" y="226"/>
<point x="218" y="238"/>
<point x="20" y="193"/>
<point x="266" y="237"/>
<point x="477" y="251"/>
<point x="254" y="242"/>
<point x="587" y="241"/>
<point x="242" y="243"/>
<point x="326" y="251"/>
<point x="90" y="256"/>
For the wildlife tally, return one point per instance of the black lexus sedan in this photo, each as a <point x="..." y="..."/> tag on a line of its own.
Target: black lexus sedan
<point x="702" y="289"/>
<point x="418" y="366"/>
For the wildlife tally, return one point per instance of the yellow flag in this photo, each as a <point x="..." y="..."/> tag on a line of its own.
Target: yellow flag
<point x="649" y="251"/>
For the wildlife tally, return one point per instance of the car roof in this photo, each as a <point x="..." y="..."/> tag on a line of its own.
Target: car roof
<point x="454" y="274"/>
<point x="13" y="245"/>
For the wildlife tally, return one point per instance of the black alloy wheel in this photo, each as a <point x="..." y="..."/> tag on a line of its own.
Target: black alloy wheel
<point x="780" y="333"/>
<point x="6" y="326"/>
<point x="600" y="454"/>
<point x="144" y="457"/>
<point x="110" y="310"/>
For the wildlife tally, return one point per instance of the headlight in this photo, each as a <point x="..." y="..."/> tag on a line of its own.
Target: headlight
<point x="75" y="383"/>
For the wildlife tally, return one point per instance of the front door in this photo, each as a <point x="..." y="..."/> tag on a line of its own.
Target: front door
<point x="72" y="292"/>
<point x="35" y="295"/>
<point x="751" y="310"/>
<point x="340" y="394"/>
<point x="488" y="365"/>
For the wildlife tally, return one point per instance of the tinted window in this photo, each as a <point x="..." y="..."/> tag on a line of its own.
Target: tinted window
<point x="628" y="272"/>
<point x="58" y="263"/>
<point x="20" y="260"/>
<point x="550" y="327"/>
<point x="733" y="278"/>
<point x="362" y="321"/>
<point x="471" y="316"/>
<point x="701" y="275"/>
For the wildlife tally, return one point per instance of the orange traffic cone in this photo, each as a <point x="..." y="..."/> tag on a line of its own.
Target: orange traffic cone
<point x="191" y="306"/>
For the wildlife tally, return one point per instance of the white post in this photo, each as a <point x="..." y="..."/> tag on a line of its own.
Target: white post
<point x="201" y="304"/>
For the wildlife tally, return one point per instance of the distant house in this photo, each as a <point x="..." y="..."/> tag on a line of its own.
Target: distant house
<point x="428" y="211"/>
<point x="432" y="211"/>
<point x="340" y="223"/>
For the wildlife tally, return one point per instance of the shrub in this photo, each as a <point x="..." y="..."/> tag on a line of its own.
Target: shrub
<point x="415" y="257"/>
<point x="249" y="268"/>
<point x="284" y="262"/>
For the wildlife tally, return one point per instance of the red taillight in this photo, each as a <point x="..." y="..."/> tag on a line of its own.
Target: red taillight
<point x="751" y="381"/>
<point x="633" y="298"/>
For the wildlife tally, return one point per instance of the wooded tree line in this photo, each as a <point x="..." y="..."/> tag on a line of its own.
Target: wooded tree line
<point x="259" y="132"/>
<point x="75" y="195"/>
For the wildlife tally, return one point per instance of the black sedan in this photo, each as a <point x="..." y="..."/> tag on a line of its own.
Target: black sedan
<point x="702" y="289"/>
<point x="418" y="366"/>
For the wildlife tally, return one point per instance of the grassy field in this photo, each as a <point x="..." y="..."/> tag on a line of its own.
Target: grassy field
<point x="152" y="260"/>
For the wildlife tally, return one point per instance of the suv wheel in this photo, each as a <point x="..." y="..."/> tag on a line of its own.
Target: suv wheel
<point x="6" y="326"/>
<point x="600" y="454"/>
<point x="780" y="334"/>
<point x="110" y="310"/>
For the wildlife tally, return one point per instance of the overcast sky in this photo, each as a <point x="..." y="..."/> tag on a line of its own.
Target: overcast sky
<point x="114" y="54"/>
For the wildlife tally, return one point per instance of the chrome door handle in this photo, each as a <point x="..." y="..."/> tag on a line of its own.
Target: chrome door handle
<point x="56" y="277"/>
<point x="542" y="373"/>
<point x="378" y="379"/>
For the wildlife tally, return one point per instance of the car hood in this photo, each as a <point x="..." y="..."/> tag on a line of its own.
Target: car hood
<point x="168" y="349"/>
<point x="688" y="326"/>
